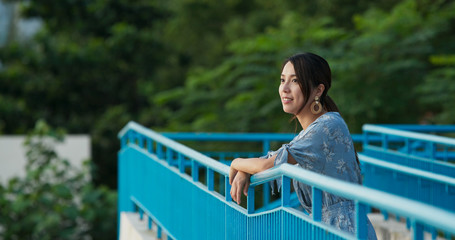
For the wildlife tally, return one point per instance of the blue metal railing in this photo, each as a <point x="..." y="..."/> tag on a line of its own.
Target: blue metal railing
<point x="421" y="128"/>
<point x="377" y="174"/>
<point x="152" y="178"/>
<point x="412" y="143"/>
<point x="431" y="188"/>
<point x="265" y="138"/>
<point x="404" y="159"/>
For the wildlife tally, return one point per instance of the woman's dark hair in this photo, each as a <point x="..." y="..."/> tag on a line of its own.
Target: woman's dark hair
<point x="312" y="70"/>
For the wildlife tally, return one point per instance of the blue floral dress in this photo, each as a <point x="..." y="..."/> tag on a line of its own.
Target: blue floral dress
<point x="326" y="147"/>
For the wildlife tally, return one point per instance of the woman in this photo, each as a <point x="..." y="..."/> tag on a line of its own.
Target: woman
<point x="324" y="145"/>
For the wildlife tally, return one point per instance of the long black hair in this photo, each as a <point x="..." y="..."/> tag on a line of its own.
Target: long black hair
<point x="312" y="70"/>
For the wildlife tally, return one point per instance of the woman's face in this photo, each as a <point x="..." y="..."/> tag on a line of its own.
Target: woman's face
<point x="290" y="92"/>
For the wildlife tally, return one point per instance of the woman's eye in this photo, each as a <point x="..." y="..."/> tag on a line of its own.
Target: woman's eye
<point x="281" y="80"/>
<point x="294" y="80"/>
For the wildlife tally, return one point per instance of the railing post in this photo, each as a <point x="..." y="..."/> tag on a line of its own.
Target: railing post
<point x="227" y="189"/>
<point x="265" y="147"/>
<point x="130" y="136"/>
<point x="123" y="141"/>
<point x="317" y="204"/>
<point x="417" y="230"/>
<point x="445" y="155"/>
<point x="408" y="146"/>
<point x="141" y="214"/>
<point x="159" y="151"/>
<point x="386" y="215"/>
<point x="434" y="233"/>
<point x="181" y="160"/>
<point x="150" y="222"/>
<point x="385" y="144"/>
<point x="266" y="193"/>
<point x="361" y="220"/>
<point x="195" y="170"/>
<point x="158" y="232"/>
<point x="250" y="200"/>
<point x="210" y="179"/>
<point x="149" y="145"/>
<point x="140" y="140"/>
<point x="169" y="155"/>
<point x="432" y="150"/>
<point x="365" y="139"/>
<point x="285" y="191"/>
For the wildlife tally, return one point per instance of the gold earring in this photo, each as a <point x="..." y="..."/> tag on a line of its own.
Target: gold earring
<point x="316" y="106"/>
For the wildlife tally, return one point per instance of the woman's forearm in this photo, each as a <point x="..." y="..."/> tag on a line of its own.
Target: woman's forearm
<point x="252" y="165"/>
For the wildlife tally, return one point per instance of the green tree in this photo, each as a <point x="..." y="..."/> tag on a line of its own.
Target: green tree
<point x="89" y="60"/>
<point x="54" y="200"/>
<point x="386" y="59"/>
<point x="438" y="90"/>
<point x="197" y="65"/>
<point x="377" y="67"/>
<point x="241" y="94"/>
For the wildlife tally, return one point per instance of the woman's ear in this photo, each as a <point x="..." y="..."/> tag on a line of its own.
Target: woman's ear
<point x="320" y="89"/>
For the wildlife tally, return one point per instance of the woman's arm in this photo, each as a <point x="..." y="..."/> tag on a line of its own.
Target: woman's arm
<point x="255" y="165"/>
<point x="252" y="165"/>
<point x="241" y="168"/>
<point x="249" y="166"/>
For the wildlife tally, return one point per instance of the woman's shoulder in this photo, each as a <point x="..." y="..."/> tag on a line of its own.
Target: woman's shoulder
<point x="329" y="120"/>
<point x="330" y="117"/>
<point x="323" y="125"/>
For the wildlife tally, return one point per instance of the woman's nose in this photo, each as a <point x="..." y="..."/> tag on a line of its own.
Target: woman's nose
<point x="286" y="88"/>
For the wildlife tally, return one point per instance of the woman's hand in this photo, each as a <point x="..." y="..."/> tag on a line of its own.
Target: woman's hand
<point x="232" y="172"/>
<point x="241" y="182"/>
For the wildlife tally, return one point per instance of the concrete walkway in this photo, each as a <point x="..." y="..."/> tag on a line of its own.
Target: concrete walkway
<point x="132" y="228"/>
<point x="392" y="229"/>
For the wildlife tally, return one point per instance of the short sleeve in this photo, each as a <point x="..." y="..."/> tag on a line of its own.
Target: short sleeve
<point x="304" y="150"/>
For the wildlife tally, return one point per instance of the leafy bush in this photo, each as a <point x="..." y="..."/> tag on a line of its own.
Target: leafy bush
<point x="55" y="200"/>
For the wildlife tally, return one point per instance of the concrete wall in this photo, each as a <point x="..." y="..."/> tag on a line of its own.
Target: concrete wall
<point x="75" y="148"/>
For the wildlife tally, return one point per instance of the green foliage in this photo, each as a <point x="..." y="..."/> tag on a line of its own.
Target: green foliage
<point x="241" y="94"/>
<point x="438" y="90"/>
<point x="88" y="59"/>
<point x="378" y="67"/>
<point x="198" y="65"/>
<point x="386" y="60"/>
<point x="54" y="200"/>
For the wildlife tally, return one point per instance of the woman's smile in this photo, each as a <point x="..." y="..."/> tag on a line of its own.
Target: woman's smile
<point x="286" y="100"/>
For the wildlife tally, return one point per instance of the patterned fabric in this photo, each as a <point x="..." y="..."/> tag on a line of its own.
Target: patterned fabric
<point x="326" y="147"/>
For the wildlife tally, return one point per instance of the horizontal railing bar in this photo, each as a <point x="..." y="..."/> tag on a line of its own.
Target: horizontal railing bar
<point x="245" y="137"/>
<point x="178" y="147"/>
<point x="404" y="207"/>
<point x="408" y="170"/>
<point x="231" y="154"/>
<point x="421" y="128"/>
<point x="405" y="155"/>
<point x="407" y="134"/>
